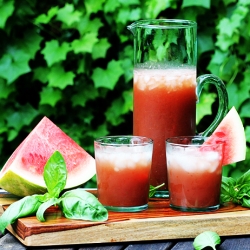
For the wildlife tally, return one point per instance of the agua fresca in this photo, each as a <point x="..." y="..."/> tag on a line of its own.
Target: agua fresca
<point x="194" y="178"/>
<point x="122" y="178"/>
<point x="164" y="106"/>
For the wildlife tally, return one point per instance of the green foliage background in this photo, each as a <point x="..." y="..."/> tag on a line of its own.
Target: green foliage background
<point x="73" y="62"/>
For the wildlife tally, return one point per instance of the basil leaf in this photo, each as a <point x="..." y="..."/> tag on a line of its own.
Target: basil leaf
<point x="243" y="190"/>
<point x="228" y="191"/>
<point x="152" y="190"/>
<point x="246" y="202"/>
<point x="26" y="206"/>
<point x="206" y="239"/>
<point x="244" y="179"/>
<point x="42" y="208"/>
<point x="80" y="204"/>
<point x="55" y="174"/>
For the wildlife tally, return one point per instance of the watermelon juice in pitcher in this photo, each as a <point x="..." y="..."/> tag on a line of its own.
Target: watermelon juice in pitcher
<point x="166" y="89"/>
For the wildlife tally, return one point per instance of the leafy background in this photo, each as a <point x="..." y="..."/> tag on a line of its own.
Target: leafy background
<point x="73" y="63"/>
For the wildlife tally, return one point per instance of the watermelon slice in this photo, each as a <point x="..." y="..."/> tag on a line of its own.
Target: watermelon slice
<point x="231" y="131"/>
<point x="22" y="174"/>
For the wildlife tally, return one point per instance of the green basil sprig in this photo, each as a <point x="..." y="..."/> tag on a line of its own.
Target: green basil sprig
<point x="78" y="204"/>
<point x="236" y="190"/>
<point x="26" y="206"/>
<point x="153" y="189"/>
<point x="75" y="204"/>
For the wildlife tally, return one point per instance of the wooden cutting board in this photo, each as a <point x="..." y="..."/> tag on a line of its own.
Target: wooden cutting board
<point x="158" y="222"/>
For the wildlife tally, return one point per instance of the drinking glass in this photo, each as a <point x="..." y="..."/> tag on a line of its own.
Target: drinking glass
<point x="194" y="173"/>
<point x="123" y="165"/>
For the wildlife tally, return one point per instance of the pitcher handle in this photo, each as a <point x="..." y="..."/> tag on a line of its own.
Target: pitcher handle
<point x="223" y="99"/>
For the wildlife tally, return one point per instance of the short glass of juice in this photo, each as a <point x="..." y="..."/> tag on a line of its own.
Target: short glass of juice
<point x="123" y="165"/>
<point x="194" y="173"/>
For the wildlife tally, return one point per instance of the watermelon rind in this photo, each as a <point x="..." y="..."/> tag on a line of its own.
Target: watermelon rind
<point x="20" y="186"/>
<point x="22" y="174"/>
<point x="231" y="131"/>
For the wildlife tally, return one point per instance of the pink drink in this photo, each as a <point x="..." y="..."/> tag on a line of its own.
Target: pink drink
<point x="164" y="106"/>
<point x="194" y="177"/>
<point x="123" y="176"/>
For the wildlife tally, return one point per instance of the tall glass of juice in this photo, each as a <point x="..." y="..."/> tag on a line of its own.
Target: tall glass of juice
<point x="166" y="89"/>
<point x="123" y="165"/>
<point x="194" y="173"/>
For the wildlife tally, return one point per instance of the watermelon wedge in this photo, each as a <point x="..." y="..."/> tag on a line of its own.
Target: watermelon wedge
<point x="22" y="174"/>
<point x="231" y="131"/>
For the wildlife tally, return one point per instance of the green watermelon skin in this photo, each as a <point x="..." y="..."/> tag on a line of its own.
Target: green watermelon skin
<point x="19" y="186"/>
<point x="22" y="174"/>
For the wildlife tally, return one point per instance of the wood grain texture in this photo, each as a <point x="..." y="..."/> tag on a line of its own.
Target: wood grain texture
<point x="158" y="222"/>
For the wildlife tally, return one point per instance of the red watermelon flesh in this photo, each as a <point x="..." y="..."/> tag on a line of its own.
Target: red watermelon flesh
<point x="25" y="165"/>
<point x="231" y="131"/>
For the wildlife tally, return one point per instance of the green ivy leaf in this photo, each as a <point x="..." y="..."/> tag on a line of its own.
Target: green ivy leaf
<point x="244" y="112"/>
<point x="6" y="10"/>
<point x="129" y="2"/>
<point x="93" y="6"/>
<point x="204" y="107"/>
<point x="54" y="53"/>
<point x="238" y="94"/>
<point x="205" y="42"/>
<point x="41" y="74"/>
<point x="30" y="43"/>
<point x="190" y="3"/>
<point x="83" y="95"/>
<point x="127" y="66"/>
<point x="217" y="60"/>
<point x="125" y="15"/>
<point x="232" y="89"/>
<point x="113" y="113"/>
<point x="81" y="66"/>
<point x="46" y="18"/>
<point x="228" y="27"/>
<point x="225" y="27"/>
<point x="154" y="7"/>
<point x="5" y="89"/>
<point x="109" y="77"/>
<point x="68" y="15"/>
<point x="85" y="43"/>
<point x="59" y="78"/>
<point x="128" y="101"/>
<point x="243" y="93"/>
<point x="111" y="5"/>
<point x="13" y="65"/>
<point x="89" y="26"/>
<point x="227" y="2"/>
<point x="229" y="68"/>
<point x="100" y="48"/>
<point x="100" y="131"/>
<point x="24" y="116"/>
<point x="247" y="132"/>
<point x="50" y="96"/>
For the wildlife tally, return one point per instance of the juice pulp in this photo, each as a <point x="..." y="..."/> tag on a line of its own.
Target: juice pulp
<point x="164" y="106"/>
<point x="194" y="178"/>
<point x="123" y="178"/>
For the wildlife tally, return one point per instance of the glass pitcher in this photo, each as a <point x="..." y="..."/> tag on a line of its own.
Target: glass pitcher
<point x="166" y="89"/>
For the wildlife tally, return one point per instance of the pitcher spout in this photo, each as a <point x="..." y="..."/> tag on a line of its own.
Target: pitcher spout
<point x="132" y="28"/>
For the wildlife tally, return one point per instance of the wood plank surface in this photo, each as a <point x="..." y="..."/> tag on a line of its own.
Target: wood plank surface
<point x="158" y="222"/>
